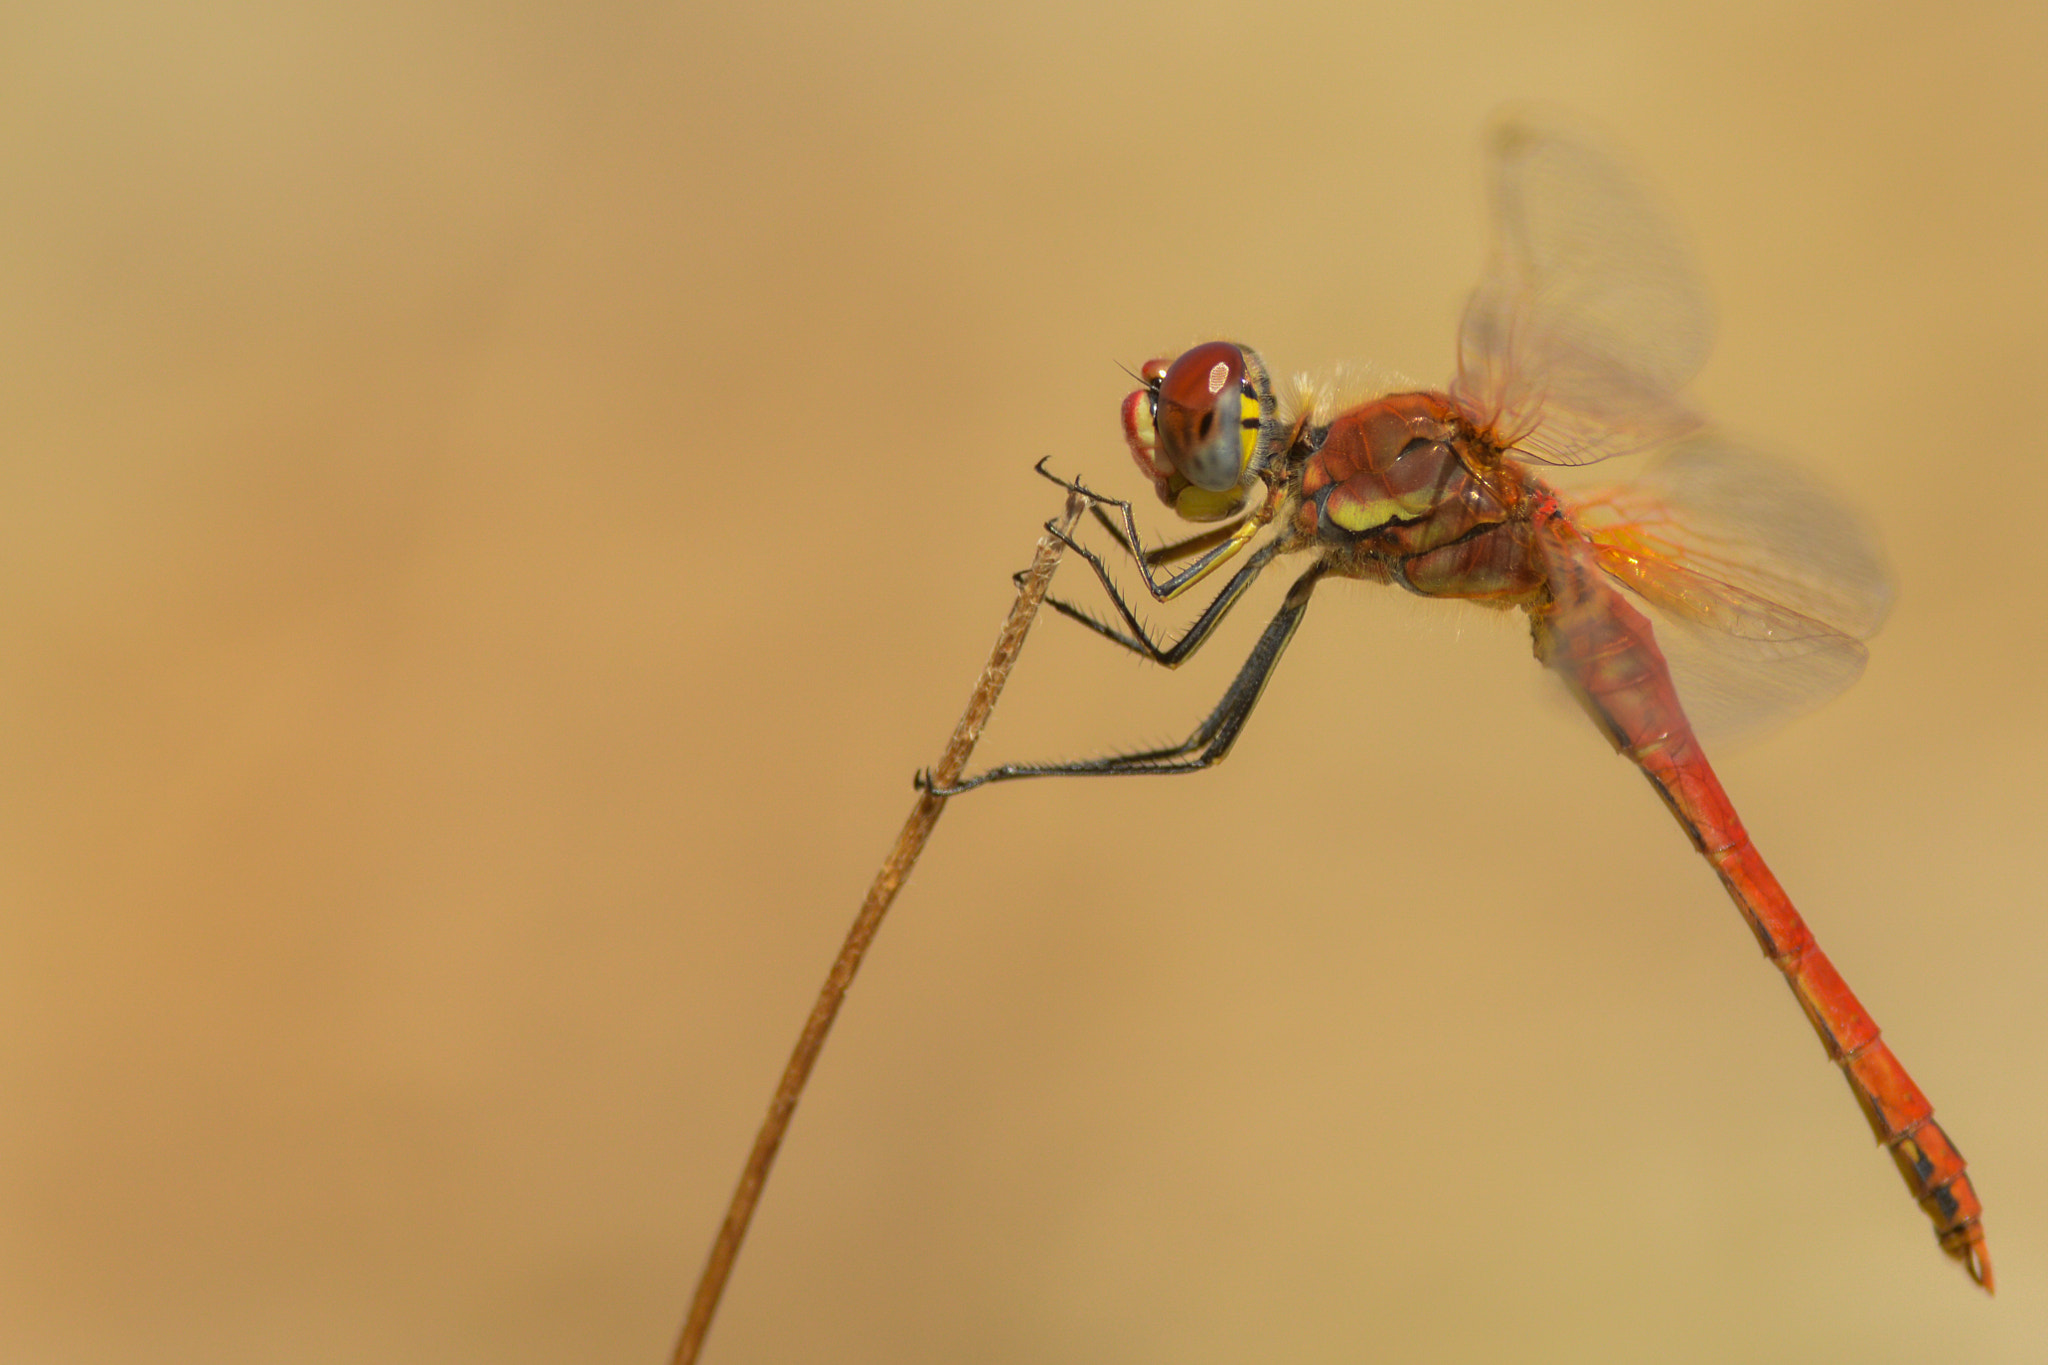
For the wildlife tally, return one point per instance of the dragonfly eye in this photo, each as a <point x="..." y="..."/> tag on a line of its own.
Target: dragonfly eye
<point x="1200" y="427"/>
<point x="1200" y="406"/>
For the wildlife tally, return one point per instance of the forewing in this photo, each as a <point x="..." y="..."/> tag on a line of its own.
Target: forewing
<point x="1764" y="584"/>
<point x="1590" y="317"/>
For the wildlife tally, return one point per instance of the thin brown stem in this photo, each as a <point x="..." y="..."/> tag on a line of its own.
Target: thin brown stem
<point x="888" y="881"/>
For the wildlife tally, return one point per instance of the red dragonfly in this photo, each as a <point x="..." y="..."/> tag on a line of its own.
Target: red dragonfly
<point x="1574" y="348"/>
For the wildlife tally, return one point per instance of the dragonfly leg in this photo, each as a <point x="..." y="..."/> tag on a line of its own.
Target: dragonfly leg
<point x="1161" y="554"/>
<point x="1172" y="550"/>
<point x="1210" y="548"/>
<point x="1210" y="741"/>
<point x="1137" y="639"/>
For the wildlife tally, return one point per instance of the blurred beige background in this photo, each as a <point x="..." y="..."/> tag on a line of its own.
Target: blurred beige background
<point x="498" y="501"/>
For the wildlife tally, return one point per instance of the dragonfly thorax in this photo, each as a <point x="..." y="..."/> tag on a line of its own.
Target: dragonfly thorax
<point x="1405" y="489"/>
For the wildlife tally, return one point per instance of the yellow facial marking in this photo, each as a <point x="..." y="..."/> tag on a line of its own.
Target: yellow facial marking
<point x="1248" y="422"/>
<point x="1199" y="504"/>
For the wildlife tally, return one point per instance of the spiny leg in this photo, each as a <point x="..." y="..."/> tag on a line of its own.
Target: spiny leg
<point x="1211" y="740"/>
<point x="1172" y="550"/>
<point x="1138" y="640"/>
<point x="1161" y="554"/>
<point x="1210" y="548"/>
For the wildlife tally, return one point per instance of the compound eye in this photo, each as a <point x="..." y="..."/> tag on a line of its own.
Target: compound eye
<point x="1200" y="416"/>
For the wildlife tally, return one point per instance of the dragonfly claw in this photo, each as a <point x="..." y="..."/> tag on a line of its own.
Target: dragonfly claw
<point x="927" y="782"/>
<point x="1059" y="532"/>
<point x="1075" y="487"/>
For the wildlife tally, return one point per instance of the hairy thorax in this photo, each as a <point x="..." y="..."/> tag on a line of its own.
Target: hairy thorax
<point x="1404" y="490"/>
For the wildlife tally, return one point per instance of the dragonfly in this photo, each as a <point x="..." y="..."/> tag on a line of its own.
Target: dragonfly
<point x="1575" y="347"/>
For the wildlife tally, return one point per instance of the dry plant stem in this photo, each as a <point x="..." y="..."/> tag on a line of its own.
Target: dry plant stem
<point x="895" y="868"/>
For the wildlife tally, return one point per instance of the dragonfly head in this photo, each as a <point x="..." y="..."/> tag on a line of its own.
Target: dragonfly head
<point x="1204" y="428"/>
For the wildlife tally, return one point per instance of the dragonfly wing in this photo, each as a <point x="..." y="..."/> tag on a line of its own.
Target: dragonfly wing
<point x="1764" y="584"/>
<point x="1589" y="318"/>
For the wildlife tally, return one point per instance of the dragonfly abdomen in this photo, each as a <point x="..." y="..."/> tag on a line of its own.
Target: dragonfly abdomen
<point x="1607" y="654"/>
